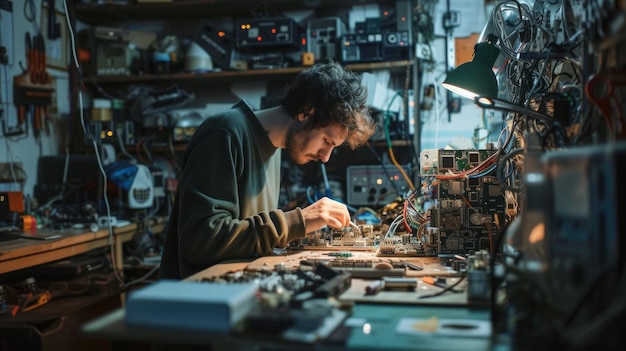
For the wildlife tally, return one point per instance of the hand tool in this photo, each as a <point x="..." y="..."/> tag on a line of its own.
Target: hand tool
<point x="31" y="51"/>
<point x="41" y="51"/>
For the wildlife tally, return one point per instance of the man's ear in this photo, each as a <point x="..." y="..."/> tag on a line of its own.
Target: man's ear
<point x="301" y="117"/>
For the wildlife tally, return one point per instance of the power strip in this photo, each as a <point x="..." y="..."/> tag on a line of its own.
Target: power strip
<point x="375" y="185"/>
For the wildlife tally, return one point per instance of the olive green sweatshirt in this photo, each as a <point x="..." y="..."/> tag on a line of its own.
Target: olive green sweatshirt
<point x="227" y="199"/>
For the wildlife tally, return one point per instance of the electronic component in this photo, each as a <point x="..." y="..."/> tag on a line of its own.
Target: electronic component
<point x="373" y="185"/>
<point x="404" y="19"/>
<point x="361" y="47"/>
<point x="366" y="238"/>
<point x="323" y="36"/>
<point x="396" y="45"/>
<point x="186" y="126"/>
<point x="217" y="42"/>
<point x="255" y="33"/>
<point x="159" y="102"/>
<point x="141" y="191"/>
<point x="463" y="207"/>
<point x="111" y="132"/>
<point x="296" y="304"/>
<point x="399" y="283"/>
<point x="114" y="58"/>
<point x="584" y="226"/>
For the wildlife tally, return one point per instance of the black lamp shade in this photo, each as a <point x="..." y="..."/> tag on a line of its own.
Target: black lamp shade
<point x="475" y="78"/>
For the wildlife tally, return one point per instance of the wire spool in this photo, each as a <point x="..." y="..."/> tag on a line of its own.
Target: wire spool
<point x="29" y="223"/>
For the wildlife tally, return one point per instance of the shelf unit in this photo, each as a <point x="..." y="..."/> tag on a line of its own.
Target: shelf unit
<point x="197" y="10"/>
<point x="265" y="74"/>
<point x="183" y="10"/>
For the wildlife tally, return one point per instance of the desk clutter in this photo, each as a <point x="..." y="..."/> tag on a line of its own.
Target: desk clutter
<point x="302" y="297"/>
<point x="38" y="295"/>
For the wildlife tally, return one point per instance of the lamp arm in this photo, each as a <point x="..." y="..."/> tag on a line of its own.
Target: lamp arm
<point x="505" y="106"/>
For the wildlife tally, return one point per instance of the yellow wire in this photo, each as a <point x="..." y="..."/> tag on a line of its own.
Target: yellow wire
<point x="406" y="177"/>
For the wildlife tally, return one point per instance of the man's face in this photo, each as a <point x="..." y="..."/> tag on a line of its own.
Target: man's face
<point x="304" y="146"/>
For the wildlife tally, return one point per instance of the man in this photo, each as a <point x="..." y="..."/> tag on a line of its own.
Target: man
<point x="226" y="205"/>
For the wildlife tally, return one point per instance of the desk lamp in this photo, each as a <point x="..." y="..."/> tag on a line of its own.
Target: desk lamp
<point x="476" y="78"/>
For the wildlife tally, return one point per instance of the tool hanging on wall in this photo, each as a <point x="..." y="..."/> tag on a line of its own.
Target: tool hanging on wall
<point x="33" y="90"/>
<point x="54" y="27"/>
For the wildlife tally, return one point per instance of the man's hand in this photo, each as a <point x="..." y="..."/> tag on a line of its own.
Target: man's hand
<point x="325" y="211"/>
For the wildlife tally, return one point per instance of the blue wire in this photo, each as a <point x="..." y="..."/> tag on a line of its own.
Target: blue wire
<point x="308" y="194"/>
<point x="318" y="195"/>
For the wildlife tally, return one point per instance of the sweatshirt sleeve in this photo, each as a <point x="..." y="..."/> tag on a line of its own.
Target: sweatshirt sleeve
<point x="209" y="226"/>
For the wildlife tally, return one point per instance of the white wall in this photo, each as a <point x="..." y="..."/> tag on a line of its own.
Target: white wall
<point x="25" y="148"/>
<point x="457" y="130"/>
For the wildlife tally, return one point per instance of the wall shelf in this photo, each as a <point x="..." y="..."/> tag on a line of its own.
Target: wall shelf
<point x="254" y="74"/>
<point x="183" y="10"/>
<point x="181" y="147"/>
<point x="180" y="17"/>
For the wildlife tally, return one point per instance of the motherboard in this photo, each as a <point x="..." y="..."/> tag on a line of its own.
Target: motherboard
<point x="464" y="197"/>
<point x="370" y="238"/>
<point x="458" y="209"/>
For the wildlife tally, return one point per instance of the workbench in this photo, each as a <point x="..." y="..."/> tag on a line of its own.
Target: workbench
<point x="56" y="322"/>
<point x="389" y="314"/>
<point x="22" y="253"/>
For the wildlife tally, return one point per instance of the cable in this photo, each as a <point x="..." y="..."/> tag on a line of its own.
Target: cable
<point x="30" y="13"/>
<point x="325" y="177"/>
<point x="142" y="278"/>
<point x="111" y="241"/>
<point x="502" y="167"/>
<point x="393" y="227"/>
<point x="445" y="290"/>
<point x="393" y="158"/>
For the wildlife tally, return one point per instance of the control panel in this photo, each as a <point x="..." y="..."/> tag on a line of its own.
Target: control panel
<point x="374" y="185"/>
<point x="255" y="33"/>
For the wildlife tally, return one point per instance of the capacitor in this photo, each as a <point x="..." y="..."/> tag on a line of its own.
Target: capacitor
<point x="476" y="218"/>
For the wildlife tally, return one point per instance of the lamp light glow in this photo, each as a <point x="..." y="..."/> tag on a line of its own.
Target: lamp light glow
<point x="475" y="78"/>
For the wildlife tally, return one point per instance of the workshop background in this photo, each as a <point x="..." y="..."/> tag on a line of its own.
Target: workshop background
<point x="24" y="143"/>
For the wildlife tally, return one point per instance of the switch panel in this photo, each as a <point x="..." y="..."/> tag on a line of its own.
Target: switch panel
<point x="375" y="185"/>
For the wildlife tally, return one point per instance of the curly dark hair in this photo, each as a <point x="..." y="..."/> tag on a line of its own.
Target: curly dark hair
<point x="331" y="94"/>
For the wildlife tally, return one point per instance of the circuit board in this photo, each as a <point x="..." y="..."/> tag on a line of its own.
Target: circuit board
<point x="464" y="198"/>
<point x="366" y="238"/>
<point x="459" y="211"/>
